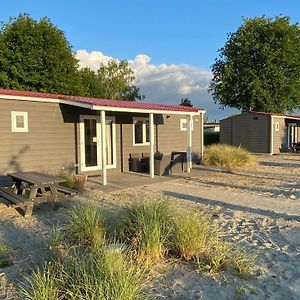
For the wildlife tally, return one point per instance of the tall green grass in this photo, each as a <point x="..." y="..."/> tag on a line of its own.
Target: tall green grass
<point x="146" y="226"/>
<point x="228" y="156"/>
<point x="85" y="225"/>
<point x="97" y="275"/>
<point x="191" y="235"/>
<point x="43" y="284"/>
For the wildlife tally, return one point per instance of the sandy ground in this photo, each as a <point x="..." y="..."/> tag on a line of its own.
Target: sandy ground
<point x="258" y="209"/>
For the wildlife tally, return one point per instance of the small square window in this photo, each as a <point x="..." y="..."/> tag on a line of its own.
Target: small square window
<point x="19" y="121"/>
<point x="183" y="125"/>
<point x="277" y="126"/>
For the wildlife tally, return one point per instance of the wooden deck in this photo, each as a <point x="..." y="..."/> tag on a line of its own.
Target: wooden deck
<point x="124" y="181"/>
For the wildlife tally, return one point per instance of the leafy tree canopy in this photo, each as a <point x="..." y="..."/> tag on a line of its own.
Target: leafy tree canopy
<point x="36" y="56"/>
<point x="112" y="81"/>
<point x="186" y="102"/>
<point x="258" y="68"/>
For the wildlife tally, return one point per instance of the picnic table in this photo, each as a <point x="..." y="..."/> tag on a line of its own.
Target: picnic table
<point x="29" y="188"/>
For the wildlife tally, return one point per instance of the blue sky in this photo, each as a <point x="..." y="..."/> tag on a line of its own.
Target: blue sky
<point x="171" y="35"/>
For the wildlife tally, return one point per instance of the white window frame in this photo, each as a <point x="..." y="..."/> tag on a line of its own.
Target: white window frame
<point x="14" y="115"/>
<point x="134" y="120"/>
<point x="277" y="126"/>
<point x="184" y="121"/>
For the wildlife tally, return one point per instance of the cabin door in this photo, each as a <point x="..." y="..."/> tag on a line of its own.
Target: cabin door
<point x="91" y="140"/>
<point x="292" y="134"/>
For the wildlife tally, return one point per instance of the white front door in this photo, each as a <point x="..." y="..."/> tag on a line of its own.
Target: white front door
<point x="90" y="142"/>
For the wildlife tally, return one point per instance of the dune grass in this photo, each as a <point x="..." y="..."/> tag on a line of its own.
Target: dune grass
<point x="91" y="267"/>
<point x="145" y="225"/>
<point x="229" y="157"/>
<point x="43" y="284"/>
<point x="191" y="235"/>
<point x="85" y="226"/>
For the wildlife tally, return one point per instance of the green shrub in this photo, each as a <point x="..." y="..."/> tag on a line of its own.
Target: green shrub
<point x="69" y="180"/>
<point x="227" y="156"/>
<point x="146" y="226"/>
<point x="191" y="236"/>
<point x="85" y="226"/>
<point x="41" y="285"/>
<point x="5" y="259"/>
<point x="211" y="138"/>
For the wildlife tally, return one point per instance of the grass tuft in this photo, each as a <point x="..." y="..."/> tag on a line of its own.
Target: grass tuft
<point x="146" y="227"/>
<point x="243" y="262"/>
<point x="191" y="236"/>
<point x="85" y="226"/>
<point x="226" y="156"/>
<point x="41" y="285"/>
<point x="5" y="259"/>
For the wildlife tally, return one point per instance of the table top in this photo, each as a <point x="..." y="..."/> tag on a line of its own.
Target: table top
<point x="36" y="178"/>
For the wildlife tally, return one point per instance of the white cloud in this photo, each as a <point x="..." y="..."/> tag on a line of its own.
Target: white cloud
<point x="163" y="83"/>
<point x="91" y="59"/>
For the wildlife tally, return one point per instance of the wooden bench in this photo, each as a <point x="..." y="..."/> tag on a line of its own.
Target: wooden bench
<point x="10" y="198"/>
<point x="66" y="191"/>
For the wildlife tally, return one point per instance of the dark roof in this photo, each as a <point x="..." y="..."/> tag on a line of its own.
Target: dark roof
<point x="102" y="102"/>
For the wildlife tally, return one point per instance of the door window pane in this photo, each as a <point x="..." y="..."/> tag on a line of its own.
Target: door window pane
<point x="109" y="143"/>
<point x="90" y="138"/>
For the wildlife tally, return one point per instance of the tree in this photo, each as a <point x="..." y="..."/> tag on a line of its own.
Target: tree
<point x="258" y="69"/>
<point x="36" y="56"/>
<point x="111" y="81"/>
<point x="116" y="81"/>
<point x="186" y="102"/>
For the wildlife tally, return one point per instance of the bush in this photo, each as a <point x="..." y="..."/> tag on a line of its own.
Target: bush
<point x="191" y="236"/>
<point x="146" y="227"/>
<point x="85" y="226"/>
<point x="227" y="156"/>
<point x="69" y="180"/>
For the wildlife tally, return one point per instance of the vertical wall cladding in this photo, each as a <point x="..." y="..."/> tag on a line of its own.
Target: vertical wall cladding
<point x="168" y="136"/>
<point x="47" y="146"/>
<point x="225" y="131"/>
<point x="279" y="134"/>
<point x="250" y="130"/>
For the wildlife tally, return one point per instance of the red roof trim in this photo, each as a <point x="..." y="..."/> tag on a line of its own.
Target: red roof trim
<point x="274" y="114"/>
<point x="102" y="102"/>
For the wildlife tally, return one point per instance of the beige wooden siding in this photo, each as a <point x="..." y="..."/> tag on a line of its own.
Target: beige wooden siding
<point x="53" y="140"/>
<point x="280" y="136"/>
<point x="47" y="146"/>
<point x="168" y="137"/>
<point x="251" y="131"/>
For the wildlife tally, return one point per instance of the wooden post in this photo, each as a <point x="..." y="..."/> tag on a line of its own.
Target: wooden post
<point x="103" y="147"/>
<point x="151" y="135"/>
<point x="189" y="142"/>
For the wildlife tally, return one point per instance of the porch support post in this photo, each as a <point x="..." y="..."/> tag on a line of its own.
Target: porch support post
<point x="189" y="142"/>
<point x="103" y="147"/>
<point x="151" y="135"/>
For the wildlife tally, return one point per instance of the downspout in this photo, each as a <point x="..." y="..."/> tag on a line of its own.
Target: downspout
<point x="271" y="137"/>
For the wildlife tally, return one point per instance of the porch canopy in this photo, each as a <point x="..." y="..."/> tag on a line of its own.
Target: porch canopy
<point x="108" y="105"/>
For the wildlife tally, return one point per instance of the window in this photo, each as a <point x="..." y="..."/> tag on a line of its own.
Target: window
<point x="277" y="126"/>
<point x="183" y="125"/>
<point x="19" y="121"/>
<point x="141" y="131"/>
